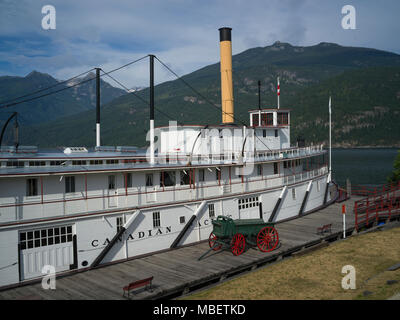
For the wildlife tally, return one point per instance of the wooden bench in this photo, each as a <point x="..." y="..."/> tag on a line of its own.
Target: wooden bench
<point x="324" y="228"/>
<point x="137" y="284"/>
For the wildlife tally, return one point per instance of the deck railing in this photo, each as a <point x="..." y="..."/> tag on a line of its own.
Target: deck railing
<point x="379" y="204"/>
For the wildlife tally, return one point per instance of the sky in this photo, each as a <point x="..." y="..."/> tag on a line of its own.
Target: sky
<point x="182" y="33"/>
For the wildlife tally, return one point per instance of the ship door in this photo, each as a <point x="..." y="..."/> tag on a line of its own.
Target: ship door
<point x="112" y="192"/>
<point x="52" y="246"/>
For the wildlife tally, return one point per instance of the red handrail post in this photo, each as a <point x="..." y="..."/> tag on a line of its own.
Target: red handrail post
<point x="355" y="215"/>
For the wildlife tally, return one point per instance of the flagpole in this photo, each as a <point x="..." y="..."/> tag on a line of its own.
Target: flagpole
<point x="330" y="136"/>
<point x="278" y="92"/>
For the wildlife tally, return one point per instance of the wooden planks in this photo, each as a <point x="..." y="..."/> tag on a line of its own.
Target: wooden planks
<point x="176" y="269"/>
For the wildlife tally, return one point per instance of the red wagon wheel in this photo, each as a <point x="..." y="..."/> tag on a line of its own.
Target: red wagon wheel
<point x="238" y="243"/>
<point x="212" y="240"/>
<point x="267" y="239"/>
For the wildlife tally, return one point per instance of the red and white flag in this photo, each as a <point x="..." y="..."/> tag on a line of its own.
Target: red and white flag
<point x="278" y="90"/>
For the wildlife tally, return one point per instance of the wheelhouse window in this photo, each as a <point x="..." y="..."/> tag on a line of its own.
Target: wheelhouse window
<point x="149" y="179"/>
<point x="283" y="118"/>
<point x="111" y="182"/>
<point x="255" y="119"/>
<point x="32" y="187"/>
<point x="156" y="219"/>
<point x="167" y="178"/>
<point x="69" y="184"/>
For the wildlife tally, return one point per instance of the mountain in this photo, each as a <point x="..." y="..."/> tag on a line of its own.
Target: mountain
<point x="85" y="93"/>
<point x="363" y="83"/>
<point x="67" y="102"/>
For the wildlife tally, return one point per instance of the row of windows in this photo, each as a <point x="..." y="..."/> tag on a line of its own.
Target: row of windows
<point x="45" y="237"/>
<point x="291" y="163"/>
<point x="250" y="202"/>
<point x="167" y="179"/>
<point x="16" y="163"/>
<point x="268" y="120"/>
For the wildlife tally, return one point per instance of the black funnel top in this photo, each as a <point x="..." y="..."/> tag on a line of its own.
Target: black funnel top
<point x="225" y="34"/>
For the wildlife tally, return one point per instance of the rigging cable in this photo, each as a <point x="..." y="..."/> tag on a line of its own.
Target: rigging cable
<point x="211" y="103"/>
<point x="62" y="89"/>
<point x="139" y="97"/>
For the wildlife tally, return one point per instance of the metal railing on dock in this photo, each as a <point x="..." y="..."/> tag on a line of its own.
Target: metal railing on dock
<point x="379" y="204"/>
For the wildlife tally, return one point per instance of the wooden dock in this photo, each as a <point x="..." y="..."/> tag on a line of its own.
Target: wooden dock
<point x="178" y="271"/>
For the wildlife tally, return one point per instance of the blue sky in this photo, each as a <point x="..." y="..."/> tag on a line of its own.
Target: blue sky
<point x="182" y="33"/>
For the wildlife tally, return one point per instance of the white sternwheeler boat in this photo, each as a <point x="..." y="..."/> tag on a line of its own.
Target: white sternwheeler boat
<point x="80" y="208"/>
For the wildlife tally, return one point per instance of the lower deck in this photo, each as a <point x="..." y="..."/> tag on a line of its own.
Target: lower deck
<point x="180" y="271"/>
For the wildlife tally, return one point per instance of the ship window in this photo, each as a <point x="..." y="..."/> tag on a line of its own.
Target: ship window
<point x="283" y="118"/>
<point x="37" y="163"/>
<point x="112" y="161"/>
<point x="69" y="184"/>
<point x="259" y="170"/>
<point x="129" y="180"/>
<point x="120" y="223"/>
<point x="55" y="163"/>
<point x="201" y="175"/>
<point x="211" y="210"/>
<point x="255" y="119"/>
<point x="270" y="119"/>
<point x="149" y="179"/>
<point x="111" y="182"/>
<point x="264" y="133"/>
<point x="156" y="219"/>
<point x="15" y="163"/>
<point x="96" y="162"/>
<point x="31" y="187"/>
<point x="182" y="219"/>
<point x="276" y="133"/>
<point x="44" y="237"/>
<point x="185" y="178"/>
<point x="78" y="162"/>
<point x="285" y="164"/>
<point x="167" y="178"/>
<point x="275" y="167"/>
<point x="294" y="193"/>
<point x="245" y="203"/>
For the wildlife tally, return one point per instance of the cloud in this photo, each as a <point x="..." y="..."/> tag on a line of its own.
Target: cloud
<point x="183" y="33"/>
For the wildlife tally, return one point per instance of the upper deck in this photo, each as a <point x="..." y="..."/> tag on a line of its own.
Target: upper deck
<point x="58" y="163"/>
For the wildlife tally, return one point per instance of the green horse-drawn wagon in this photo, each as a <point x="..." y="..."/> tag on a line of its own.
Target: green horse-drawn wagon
<point x="235" y="234"/>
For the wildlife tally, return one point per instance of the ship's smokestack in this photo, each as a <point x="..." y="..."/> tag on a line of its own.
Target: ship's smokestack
<point x="226" y="75"/>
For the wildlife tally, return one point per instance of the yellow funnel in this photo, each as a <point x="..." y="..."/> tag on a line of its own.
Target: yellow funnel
<point x="226" y="75"/>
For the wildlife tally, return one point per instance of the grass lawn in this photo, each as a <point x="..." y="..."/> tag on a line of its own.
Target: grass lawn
<point x="317" y="275"/>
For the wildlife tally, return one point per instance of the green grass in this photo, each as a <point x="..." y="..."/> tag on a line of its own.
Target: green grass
<point x="318" y="276"/>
